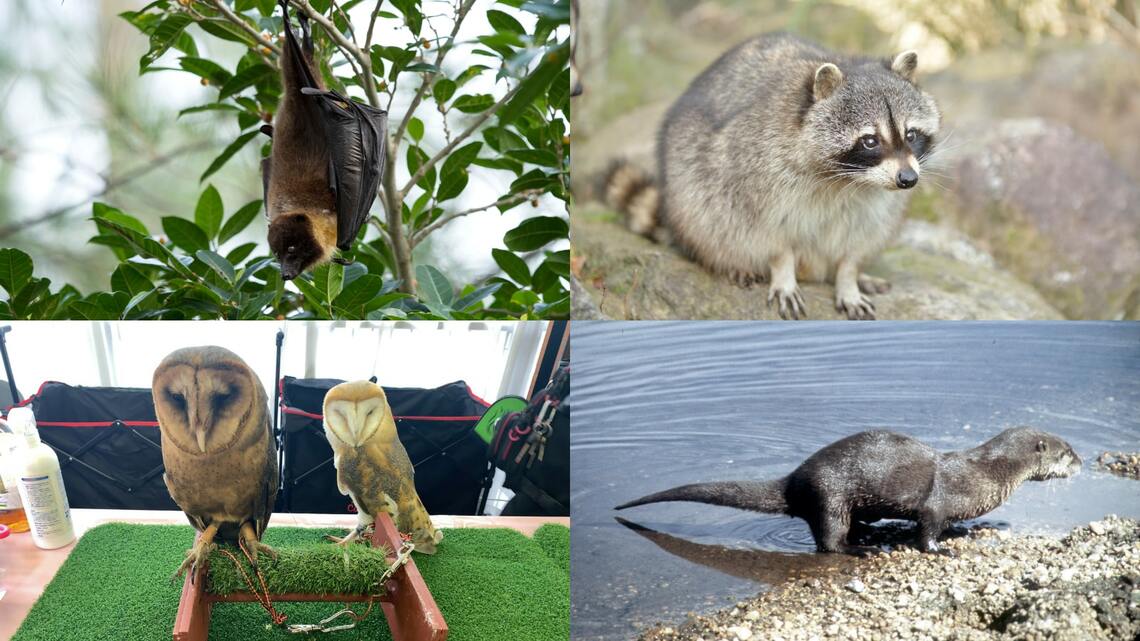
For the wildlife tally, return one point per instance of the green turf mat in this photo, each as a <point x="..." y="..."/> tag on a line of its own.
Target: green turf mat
<point x="555" y="542"/>
<point x="490" y="584"/>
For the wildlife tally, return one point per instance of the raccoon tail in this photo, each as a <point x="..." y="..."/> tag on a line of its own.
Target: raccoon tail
<point x="758" y="496"/>
<point x="632" y="192"/>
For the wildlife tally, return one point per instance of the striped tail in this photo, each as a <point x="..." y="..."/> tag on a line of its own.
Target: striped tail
<point x="632" y="192"/>
<point x="758" y="496"/>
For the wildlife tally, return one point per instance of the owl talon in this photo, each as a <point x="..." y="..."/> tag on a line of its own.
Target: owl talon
<point x="196" y="557"/>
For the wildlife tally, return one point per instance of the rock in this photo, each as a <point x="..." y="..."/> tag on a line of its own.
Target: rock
<point x="630" y="277"/>
<point x="1097" y="527"/>
<point x="752" y="615"/>
<point x="582" y="307"/>
<point x="856" y="586"/>
<point x="1054" y="209"/>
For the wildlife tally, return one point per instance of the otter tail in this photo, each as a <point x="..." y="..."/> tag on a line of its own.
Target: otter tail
<point x="758" y="496"/>
<point x="631" y="191"/>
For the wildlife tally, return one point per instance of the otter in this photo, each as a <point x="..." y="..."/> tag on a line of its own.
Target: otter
<point x="886" y="475"/>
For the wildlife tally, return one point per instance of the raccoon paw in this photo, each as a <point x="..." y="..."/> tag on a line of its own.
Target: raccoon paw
<point x="858" y="307"/>
<point x="873" y="285"/>
<point x="745" y="279"/>
<point x="790" y="302"/>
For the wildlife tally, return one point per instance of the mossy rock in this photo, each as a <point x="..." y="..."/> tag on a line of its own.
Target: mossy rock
<point x="936" y="275"/>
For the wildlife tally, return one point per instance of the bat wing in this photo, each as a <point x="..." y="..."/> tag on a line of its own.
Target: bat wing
<point x="357" y="138"/>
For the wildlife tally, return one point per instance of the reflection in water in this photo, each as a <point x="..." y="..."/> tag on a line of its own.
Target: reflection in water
<point x="663" y="404"/>
<point x="762" y="566"/>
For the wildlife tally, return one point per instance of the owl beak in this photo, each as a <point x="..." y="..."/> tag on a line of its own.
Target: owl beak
<point x="202" y="441"/>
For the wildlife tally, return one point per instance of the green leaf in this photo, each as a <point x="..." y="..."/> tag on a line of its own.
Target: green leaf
<point x="217" y="263"/>
<point x="227" y="153"/>
<point x="106" y="212"/>
<point x="504" y="22"/>
<point x="239" y="220"/>
<point x="476" y="296"/>
<point x="474" y="103"/>
<point x="163" y="36"/>
<point x="443" y="90"/>
<point x="416" y="129"/>
<point x="353" y="301"/>
<point x="543" y="157"/>
<point x="208" y="213"/>
<point x="247" y="77"/>
<point x="240" y="253"/>
<point x="559" y="262"/>
<point x="15" y="270"/>
<point x="329" y="279"/>
<point x="533" y="233"/>
<point x="433" y="286"/>
<point x="130" y="279"/>
<point x="536" y="83"/>
<point x="185" y="234"/>
<point x="205" y="68"/>
<point x="514" y="266"/>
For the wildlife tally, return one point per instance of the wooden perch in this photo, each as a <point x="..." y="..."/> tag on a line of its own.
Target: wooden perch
<point x="408" y="606"/>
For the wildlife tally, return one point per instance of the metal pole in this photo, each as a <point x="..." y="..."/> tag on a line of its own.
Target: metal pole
<point x="8" y="365"/>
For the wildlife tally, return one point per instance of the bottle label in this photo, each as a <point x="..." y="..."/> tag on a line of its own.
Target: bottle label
<point x="47" y="517"/>
<point x="9" y="499"/>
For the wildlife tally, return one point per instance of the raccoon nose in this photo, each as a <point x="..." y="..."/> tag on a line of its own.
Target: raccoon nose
<point x="906" y="178"/>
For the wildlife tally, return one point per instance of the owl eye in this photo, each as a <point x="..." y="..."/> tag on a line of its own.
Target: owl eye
<point x="220" y="400"/>
<point x="178" y="399"/>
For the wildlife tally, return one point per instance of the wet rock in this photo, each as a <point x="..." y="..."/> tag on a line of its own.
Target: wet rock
<point x="856" y="586"/>
<point x="1126" y="464"/>
<point x="629" y="277"/>
<point x="1053" y="208"/>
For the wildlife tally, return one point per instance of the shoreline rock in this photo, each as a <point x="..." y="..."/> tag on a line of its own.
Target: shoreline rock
<point x="1085" y="585"/>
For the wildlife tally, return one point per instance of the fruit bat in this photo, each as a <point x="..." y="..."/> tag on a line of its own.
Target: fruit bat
<point x="328" y="155"/>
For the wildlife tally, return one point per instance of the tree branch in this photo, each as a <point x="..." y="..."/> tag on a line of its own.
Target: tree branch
<point x="236" y="19"/>
<point x="465" y="134"/>
<point x="350" y="50"/>
<point x="372" y="25"/>
<point x="444" y="49"/>
<point x="422" y="234"/>
<point x="110" y="184"/>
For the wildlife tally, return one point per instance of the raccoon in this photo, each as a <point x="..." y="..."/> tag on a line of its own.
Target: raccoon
<point x="784" y="160"/>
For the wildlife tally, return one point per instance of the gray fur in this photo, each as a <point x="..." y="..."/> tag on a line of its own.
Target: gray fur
<point x="750" y="185"/>
<point x="885" y="475"/>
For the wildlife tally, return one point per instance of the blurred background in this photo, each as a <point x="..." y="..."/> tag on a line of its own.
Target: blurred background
<point x="79" y="125"/>
<point x="1041" y="106"/>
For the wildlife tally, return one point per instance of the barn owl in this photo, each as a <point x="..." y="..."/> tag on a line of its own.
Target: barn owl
<point x="372" y="465"/>
<point x="217" y="447"/>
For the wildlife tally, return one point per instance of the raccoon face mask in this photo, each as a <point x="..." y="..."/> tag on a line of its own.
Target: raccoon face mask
<point x="870" y="124"/>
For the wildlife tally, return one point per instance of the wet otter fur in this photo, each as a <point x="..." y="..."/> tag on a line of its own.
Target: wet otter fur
<point x="885" y="475"/>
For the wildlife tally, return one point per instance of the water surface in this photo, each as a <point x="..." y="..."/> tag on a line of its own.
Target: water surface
<point x="663" y="404"/>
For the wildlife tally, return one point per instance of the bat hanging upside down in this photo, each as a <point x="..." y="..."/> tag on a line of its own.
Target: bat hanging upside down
<point x="328" y="155"/>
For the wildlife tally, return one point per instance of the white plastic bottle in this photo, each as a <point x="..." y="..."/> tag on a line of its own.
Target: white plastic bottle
<point x="41" y="485"/>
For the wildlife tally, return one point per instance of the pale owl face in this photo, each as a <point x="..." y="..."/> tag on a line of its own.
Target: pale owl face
<point x="354" y="422"/>
<point x="203" y="397"/>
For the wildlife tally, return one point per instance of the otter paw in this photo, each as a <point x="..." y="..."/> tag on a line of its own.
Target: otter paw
<point x="790" y="303"/>
<point x="857" y="307"/>
<point x="873" y="284"/>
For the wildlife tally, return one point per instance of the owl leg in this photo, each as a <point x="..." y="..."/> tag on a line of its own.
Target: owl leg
<point x="363" y="522"/>
<point x="253" y="546"/>
<point x="199" y="554"/>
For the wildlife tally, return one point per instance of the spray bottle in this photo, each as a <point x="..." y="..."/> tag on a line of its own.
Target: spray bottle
<point x="41" y="485"/>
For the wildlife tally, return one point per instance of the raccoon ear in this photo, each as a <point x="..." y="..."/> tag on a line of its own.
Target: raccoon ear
<point x="905" y="63"/>
<point x="827" y="79"/>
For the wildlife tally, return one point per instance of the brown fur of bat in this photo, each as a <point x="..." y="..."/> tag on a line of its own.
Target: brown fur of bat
<point x="299" y="203"/>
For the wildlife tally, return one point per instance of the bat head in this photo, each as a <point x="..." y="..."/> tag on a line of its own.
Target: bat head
<point x="297" y="245"/>
<point x="356" y="412"/>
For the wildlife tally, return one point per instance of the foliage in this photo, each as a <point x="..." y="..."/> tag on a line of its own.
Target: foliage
<point x="195" y="267"/>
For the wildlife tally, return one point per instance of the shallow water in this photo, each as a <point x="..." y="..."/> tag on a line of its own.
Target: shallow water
<point x="663" y="404"/>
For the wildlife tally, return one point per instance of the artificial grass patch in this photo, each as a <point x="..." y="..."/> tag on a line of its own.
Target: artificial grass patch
<point x="555" y="542"/>
<point x="490" y="584"/>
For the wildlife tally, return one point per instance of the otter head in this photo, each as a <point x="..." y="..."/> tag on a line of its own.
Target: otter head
<point x="868" y="123"/>
<point x="1053" y="458"/>
<point x="295" y="244"/>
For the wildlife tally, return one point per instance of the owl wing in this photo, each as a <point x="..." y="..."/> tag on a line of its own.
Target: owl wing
<point x="180" y="499"/>
<point x="263" y="509"/>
